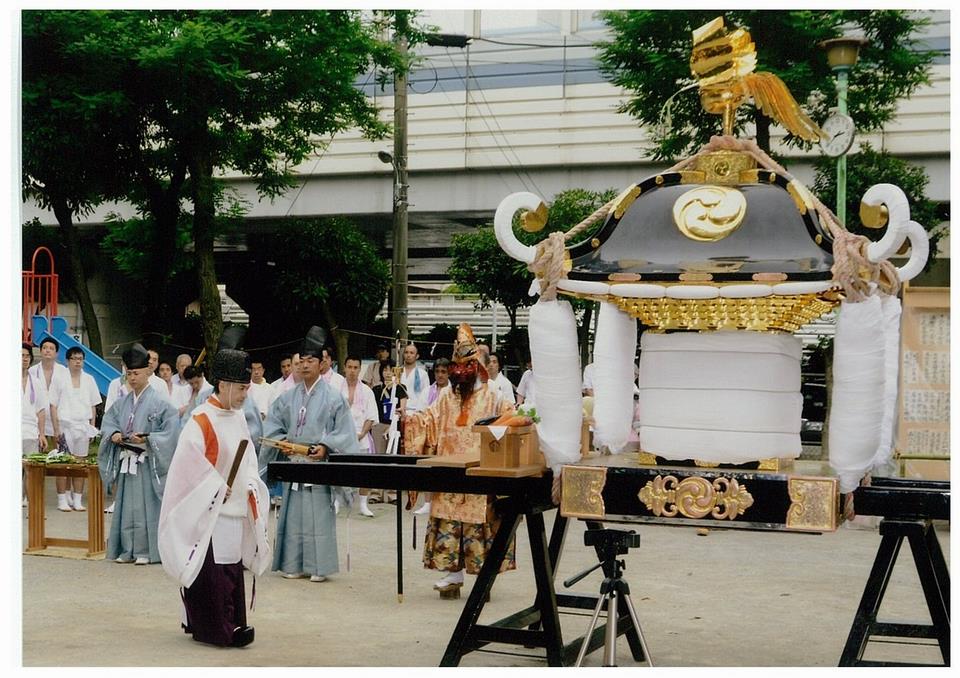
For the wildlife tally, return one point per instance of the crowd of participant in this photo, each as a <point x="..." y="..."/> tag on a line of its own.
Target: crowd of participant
<point x="169" y="439"/>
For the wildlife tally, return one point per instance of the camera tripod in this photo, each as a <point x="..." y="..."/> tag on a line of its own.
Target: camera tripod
<point x="613" y="589"/>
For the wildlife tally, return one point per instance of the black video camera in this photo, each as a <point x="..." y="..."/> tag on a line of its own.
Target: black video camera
<point x="616" y="541"/>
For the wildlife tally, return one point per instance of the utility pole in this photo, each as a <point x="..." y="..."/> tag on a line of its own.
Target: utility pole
<point x="398" y="305"/>
<point x="399" y="293"/>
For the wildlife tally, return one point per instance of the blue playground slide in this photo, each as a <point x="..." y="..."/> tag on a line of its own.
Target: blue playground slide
<point x="101" y="371"/>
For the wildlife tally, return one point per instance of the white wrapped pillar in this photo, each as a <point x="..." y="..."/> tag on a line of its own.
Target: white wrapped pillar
<point x="857" y="400"/>
<point x="613" y="351"/>
<point x="556" y="371"/>
<point x="890" y="307"/>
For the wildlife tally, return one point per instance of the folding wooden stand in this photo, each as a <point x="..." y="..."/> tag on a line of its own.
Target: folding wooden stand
<point x="520" y="498"/>
<point x="95" y="544"/>
<point x="908" y="507"/>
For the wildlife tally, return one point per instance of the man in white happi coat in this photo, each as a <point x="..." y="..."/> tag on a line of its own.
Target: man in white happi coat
<point x="415" y="380"/>
<point x="51" y="376"/>
<point x="363" y="409"/>
<point x="213" y="517"/>
<point x="75" y="411"/>
<point x="260" y="391"/>
<point x="498" y="381"/>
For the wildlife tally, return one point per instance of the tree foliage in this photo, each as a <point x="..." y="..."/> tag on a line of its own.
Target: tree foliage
<point x="481" y="267"/>
<point x="868" y="167"/>
<point x="331" y="272"/>
<point x="649" y="55"/>
<point x="70" y="135"/>
<point x="202" y="93"/>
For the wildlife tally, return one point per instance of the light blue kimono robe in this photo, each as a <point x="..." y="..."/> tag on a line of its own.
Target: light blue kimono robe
<point x="307" y="528"/>
<point x="195" y="401"/>
<point x="254" y="423"/>
<point x="139" y="478"/>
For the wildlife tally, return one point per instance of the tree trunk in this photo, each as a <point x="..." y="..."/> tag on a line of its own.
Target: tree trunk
<point x="211" y="318"/>
<point x="163" y="204"/>
<point x="583" y="334"/>
<point x="71" y="241"/>
<point x="763" y="131"/>
<point x="341" y="340"/>
<point x="763" y="34"/>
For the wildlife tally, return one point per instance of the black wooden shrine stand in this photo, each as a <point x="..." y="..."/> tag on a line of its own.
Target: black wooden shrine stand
<point x="908" y="508"/>
<point x="539" y="624"/>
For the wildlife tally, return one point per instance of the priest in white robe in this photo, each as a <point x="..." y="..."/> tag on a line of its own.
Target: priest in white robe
<point x="213" y="520"/>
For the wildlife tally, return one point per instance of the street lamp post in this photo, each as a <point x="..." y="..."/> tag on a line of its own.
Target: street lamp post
<point x="842" y="54"/>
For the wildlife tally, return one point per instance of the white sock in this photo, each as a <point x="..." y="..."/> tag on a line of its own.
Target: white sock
<point x="454" y="577"/>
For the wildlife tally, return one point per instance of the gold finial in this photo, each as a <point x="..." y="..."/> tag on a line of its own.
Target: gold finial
<point x="723" y="61"/>
<point x="533" y="222"/>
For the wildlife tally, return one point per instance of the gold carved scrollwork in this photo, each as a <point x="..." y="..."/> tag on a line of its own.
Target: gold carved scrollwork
<point x="696" y="497"/>
<point x="582" y="491"/>
<point x="814" y="504"/>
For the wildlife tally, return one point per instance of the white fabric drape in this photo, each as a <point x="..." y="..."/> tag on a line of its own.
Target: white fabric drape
<point x="613" y="352"/>
<point x="556" y="370"/>
<point x="727" y="397"/>
<point x="890" y="307"/>
<point x="857" y="404"/>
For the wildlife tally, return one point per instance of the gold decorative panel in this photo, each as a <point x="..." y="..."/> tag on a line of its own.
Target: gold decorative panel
<point x="785" y="313"/>
<point x="624" y="200"/>
<point x="814" y="504"/>
<point x="725" y="167"/>
<point x="581" y="493"/>
<point x="696" y="497"/>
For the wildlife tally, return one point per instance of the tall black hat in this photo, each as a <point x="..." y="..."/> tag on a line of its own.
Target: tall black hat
<point x="314" y="342"/>
<point x="136" y="357"/>
<point x="231" y="364"/>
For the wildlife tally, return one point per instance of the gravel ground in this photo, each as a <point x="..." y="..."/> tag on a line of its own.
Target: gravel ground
<point x="727" y="598"/>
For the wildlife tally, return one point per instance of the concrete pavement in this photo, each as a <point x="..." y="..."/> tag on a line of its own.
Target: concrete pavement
<point x="730" y="598"/>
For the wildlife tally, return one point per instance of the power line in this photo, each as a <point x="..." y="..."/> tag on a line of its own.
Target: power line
<point x="516" y="164"/>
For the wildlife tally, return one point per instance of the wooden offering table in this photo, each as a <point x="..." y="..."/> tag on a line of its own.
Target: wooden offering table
<point x="37" y="541"/>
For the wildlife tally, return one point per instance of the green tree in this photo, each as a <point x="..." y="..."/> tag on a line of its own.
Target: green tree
<point x="868" y="167"/>
<point x="330" y="271"/>
<point x="69" y="135"/>
<point x="481" y="267"/>
<point x="254" y="93"/>
<point x="649" y="55"/>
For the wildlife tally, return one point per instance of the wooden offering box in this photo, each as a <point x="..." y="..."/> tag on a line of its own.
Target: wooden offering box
<point x="516" y="454"/>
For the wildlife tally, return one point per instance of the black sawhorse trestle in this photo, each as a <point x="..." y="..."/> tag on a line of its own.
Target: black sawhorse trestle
<point x="537" y="626"/>
<point x="929" y="499"/>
